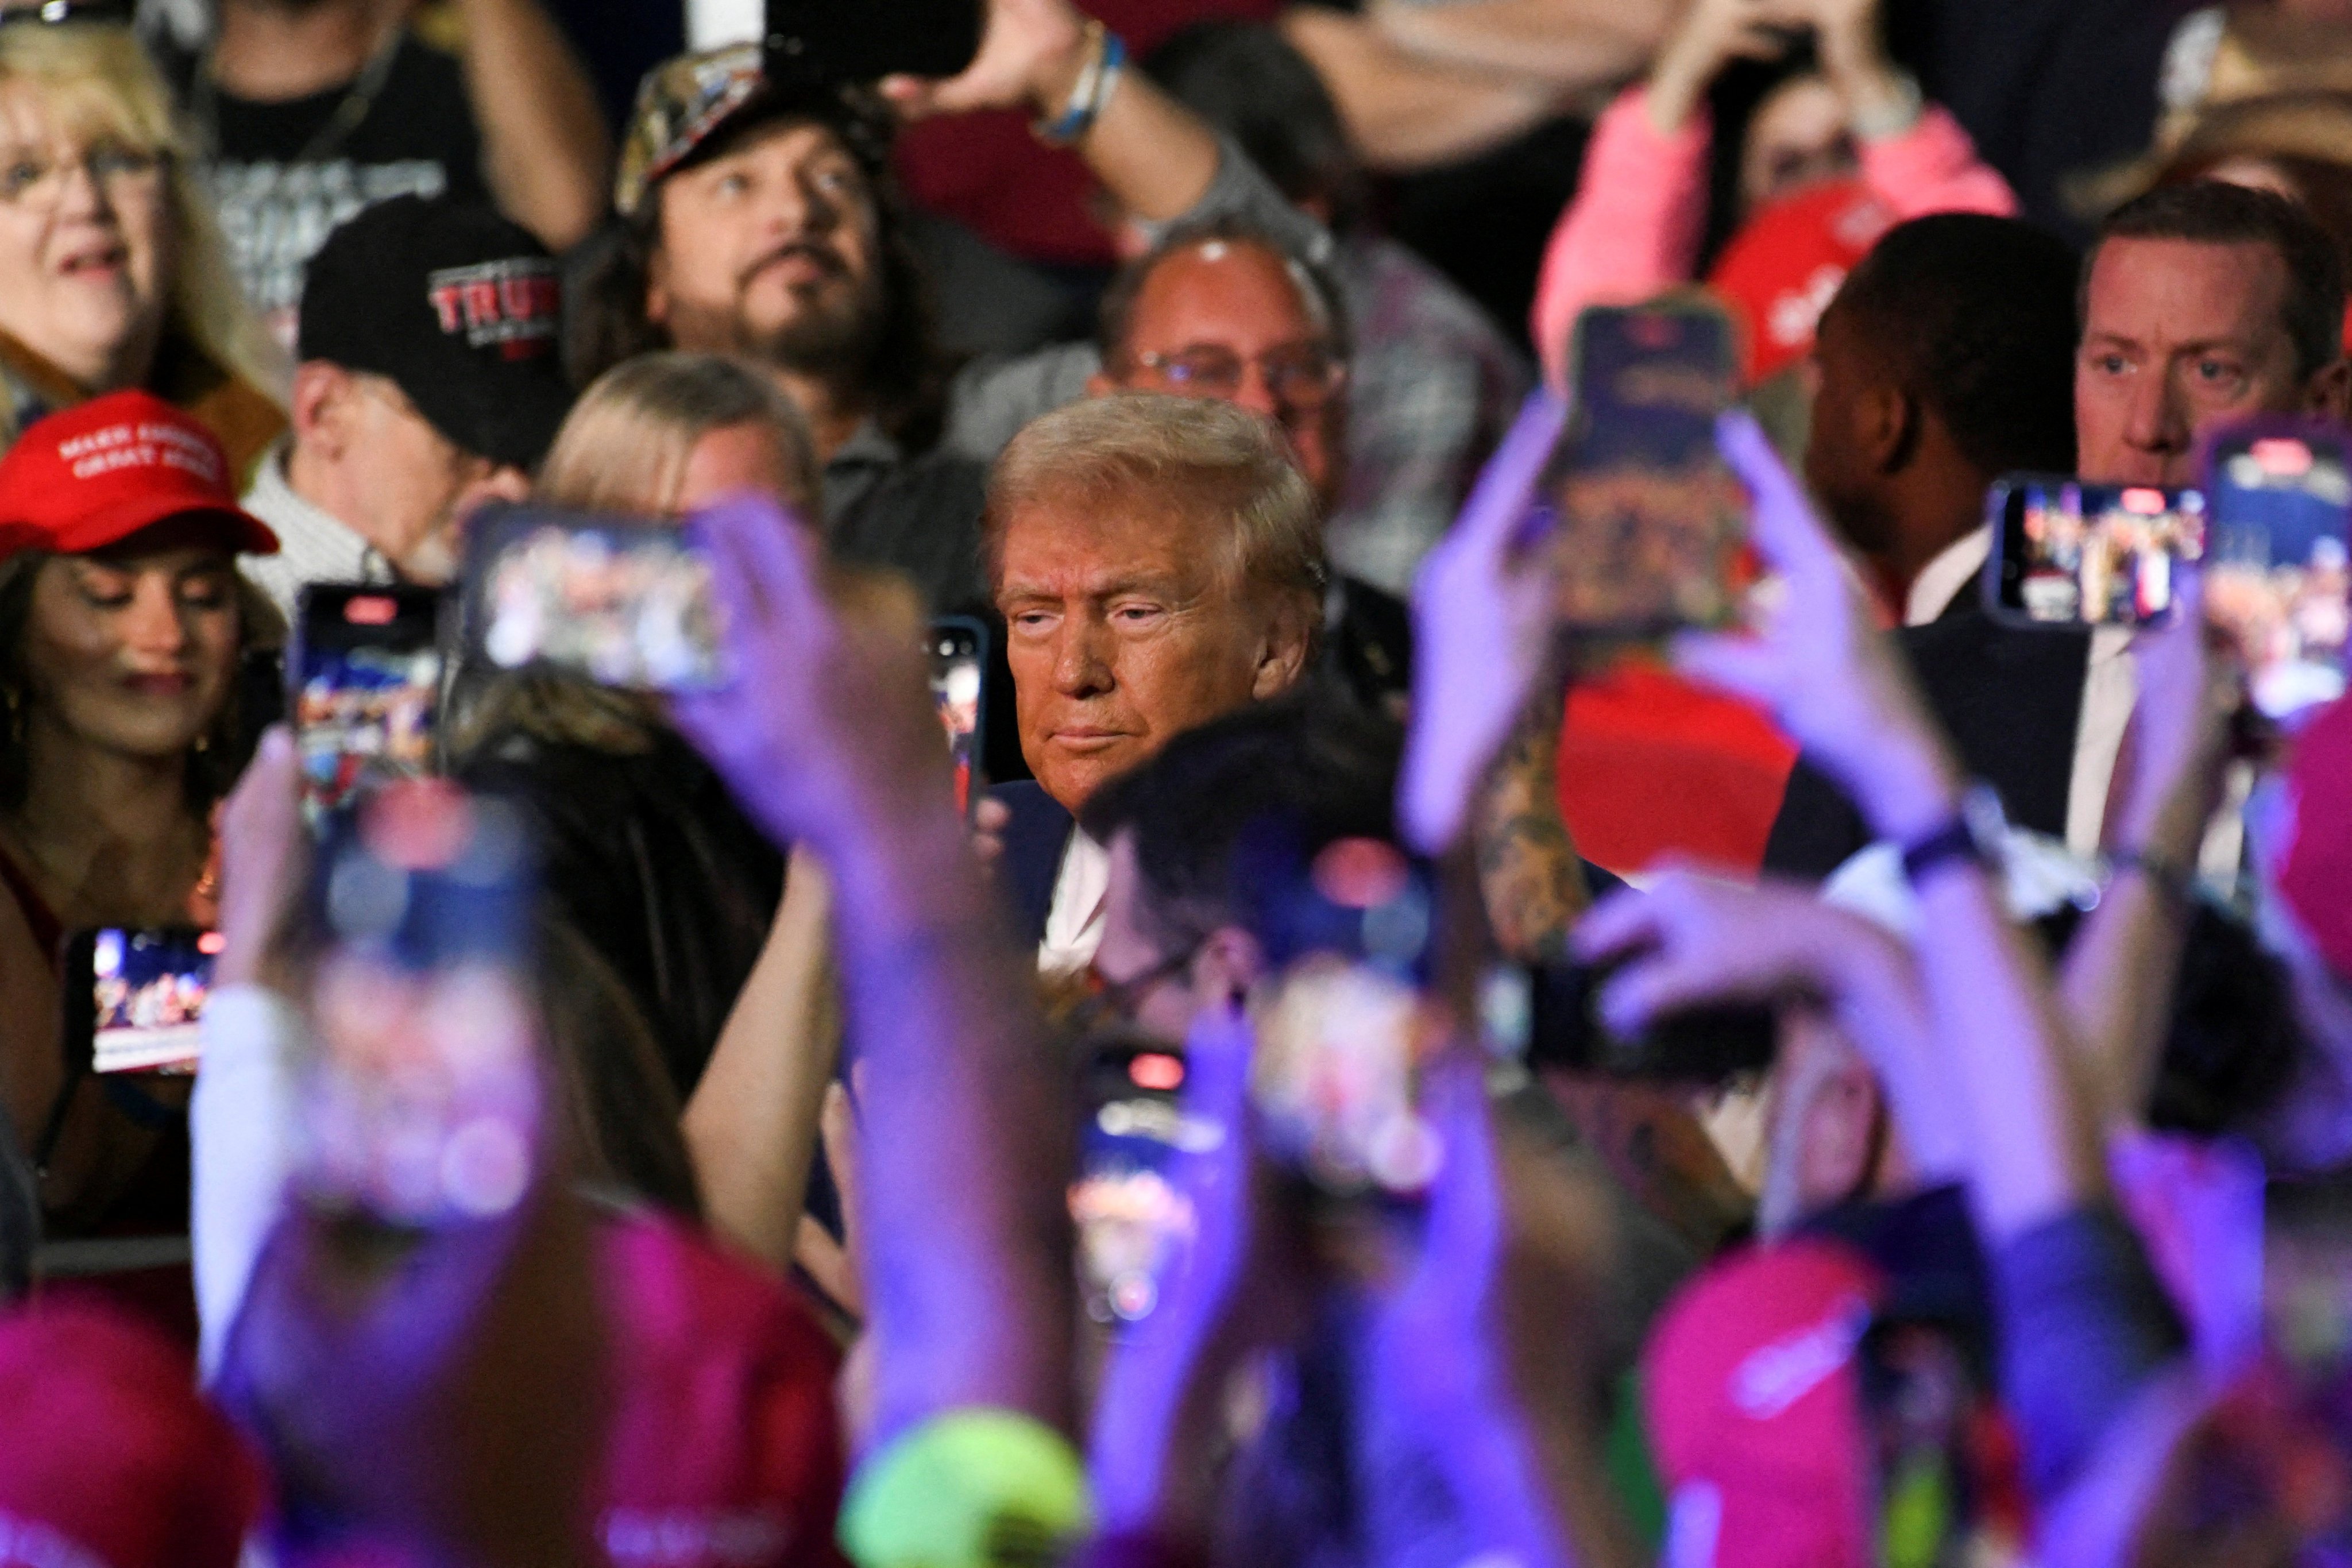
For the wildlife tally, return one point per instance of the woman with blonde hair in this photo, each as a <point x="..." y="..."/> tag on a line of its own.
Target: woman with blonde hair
<point x="117" y="276"/>
<point x="643" y="851"/>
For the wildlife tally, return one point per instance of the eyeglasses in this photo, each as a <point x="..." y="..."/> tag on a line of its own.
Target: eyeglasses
<point x="26" y="181"/>
<point x="1302" y="375"/>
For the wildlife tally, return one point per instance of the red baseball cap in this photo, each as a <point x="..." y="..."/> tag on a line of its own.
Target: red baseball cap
<point x="108" y="1455"/>
<point x="1755" y="1409"/>
<point x="725" y="1448"/>
<point x="99" y="472"/>
<point x="1781" y="270"/>
<point x="2313" y="870"/>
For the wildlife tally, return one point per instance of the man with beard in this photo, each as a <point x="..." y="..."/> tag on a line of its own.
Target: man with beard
<point x="764" y="222"/>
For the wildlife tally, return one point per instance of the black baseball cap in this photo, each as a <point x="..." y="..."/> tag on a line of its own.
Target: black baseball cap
<point x="458" y="308"/>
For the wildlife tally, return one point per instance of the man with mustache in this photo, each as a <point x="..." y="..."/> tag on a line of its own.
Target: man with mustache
<point x="761" y="220"/>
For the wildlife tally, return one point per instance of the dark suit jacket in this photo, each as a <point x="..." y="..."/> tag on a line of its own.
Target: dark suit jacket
<point x="2011" y="699"/>
<point x="1033" y="841"/>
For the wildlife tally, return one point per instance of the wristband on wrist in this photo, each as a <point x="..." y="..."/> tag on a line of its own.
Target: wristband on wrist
<point x="1106" y="58"/>
<point x="1975" y="834"/>
<point x="2177" y="883"/>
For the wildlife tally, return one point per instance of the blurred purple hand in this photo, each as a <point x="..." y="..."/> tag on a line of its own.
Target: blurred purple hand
<point x="1482" y="623"/>
<point x="1819" y="662"/>
<point x="827" y="728"/>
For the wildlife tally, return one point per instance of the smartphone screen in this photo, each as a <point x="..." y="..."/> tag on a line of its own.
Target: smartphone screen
<point x="958" y="650"/>
<point x="814" y="44"/>
<point x="422" y="1105"/>
<point x="2066" y="554"/>
<point x="624" y="603"/>
<point x="1133" y="1217"/>
<point x="2276" y="559"/>
<point x="135" y="998"/>
<point x="365" y="682"/>
<point x="1651" y="526"/>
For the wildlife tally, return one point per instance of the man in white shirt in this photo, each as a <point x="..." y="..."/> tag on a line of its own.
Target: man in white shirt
<point x="1159" y="562"/>
<point x="429" y="383"/>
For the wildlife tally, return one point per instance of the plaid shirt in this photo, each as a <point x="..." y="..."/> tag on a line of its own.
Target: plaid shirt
<point x="1433" y="387"/>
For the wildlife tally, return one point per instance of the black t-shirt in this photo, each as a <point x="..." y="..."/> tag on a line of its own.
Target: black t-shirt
<point x="283" y="175"/>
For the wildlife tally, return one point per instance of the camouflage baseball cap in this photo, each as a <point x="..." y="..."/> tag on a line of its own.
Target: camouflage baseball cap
<point x="685" y="101"/>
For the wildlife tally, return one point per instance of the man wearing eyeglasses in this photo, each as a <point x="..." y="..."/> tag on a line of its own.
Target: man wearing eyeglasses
<point x="1228" y="310"/>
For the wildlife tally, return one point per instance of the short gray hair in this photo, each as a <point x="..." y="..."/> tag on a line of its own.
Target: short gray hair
<point x="1183" y="456"/>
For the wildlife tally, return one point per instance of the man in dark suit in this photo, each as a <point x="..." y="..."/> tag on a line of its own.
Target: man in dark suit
<point x="2203" y="304"/>
<point x="1159" y="562"/>
<point x="1946" y="361"/>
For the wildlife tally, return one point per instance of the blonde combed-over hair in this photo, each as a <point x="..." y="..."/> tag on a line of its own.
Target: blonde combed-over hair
<point x="1183" y="456"/>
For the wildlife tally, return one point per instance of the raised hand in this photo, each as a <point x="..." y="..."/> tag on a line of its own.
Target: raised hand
<point x="1481" y="621"/>
<point x="827" y="725"/>
<point x="265" y="863"/>
<point x="1819" y="663"/>
<point x="1029" y="56"/>
<point x="1713" y="34"/>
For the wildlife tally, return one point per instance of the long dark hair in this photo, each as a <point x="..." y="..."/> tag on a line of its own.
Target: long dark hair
<point x="219" y="753"/>
<point x="904" y="373"/>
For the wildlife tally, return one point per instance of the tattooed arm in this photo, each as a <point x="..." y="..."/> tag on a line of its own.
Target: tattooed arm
<point x="1527" y="865"/>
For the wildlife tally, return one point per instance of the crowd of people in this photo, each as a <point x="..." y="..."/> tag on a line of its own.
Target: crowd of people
<point x="1329" y="1059"/>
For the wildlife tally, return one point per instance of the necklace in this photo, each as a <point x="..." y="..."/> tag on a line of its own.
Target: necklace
<point x="358" y="99"/>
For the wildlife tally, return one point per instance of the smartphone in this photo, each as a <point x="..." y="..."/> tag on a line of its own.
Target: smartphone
<point x="1348" y="1023"/>
<point x="364" y="684"/>
<point x="2067" y="553"/>
<point x="1648" y="524"/>
<point x="816" y="45"/>
<point x="134" y="999"/>
<point x="422" y="1105"/>
<point x="959" y="651"/>
<point x="625" y="602"/>
<point x="1701" y="1045"/>
<point x="2278" y="495"/>
<point x="1133" y="1217"/>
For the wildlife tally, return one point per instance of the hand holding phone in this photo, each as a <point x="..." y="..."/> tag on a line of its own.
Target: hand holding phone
<point x="1650" y="523"/>
<point x="425" y="1105"/>
<point x="816" y="45"/>
<point x="364" y="686"/>
<point x="625" y="602"/>
<point x="959" y="651"/>
<point x="134" y="998"/>
<point x="2068" y="553"/>
<point x="2277" y="568"/>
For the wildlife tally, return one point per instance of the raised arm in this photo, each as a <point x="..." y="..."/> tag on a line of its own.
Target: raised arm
<point x="752" y="1124"/>
<point x="828" y="739"/>
<point x="2085" y="1326"/>
<point x="544" y="145"/>
<point x="1576" y="44"/>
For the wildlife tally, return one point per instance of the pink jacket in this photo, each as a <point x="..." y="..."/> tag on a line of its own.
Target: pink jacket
<point x="1634" y="229"/>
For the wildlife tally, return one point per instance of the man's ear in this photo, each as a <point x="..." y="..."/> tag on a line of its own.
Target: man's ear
<point x="2329" y="392"/>
<point x="321" y="409"/>
<point x="1891" y="420"/>
<point x="1230" y="963"/>
<point x="1282" y="656"/>
<point x="657" y="288"/>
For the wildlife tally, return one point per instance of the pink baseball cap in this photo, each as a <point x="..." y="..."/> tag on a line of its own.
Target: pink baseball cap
<point x="2313" y="870"/>
<point x="725" y="1449"/>
<point x="108" y="1456"/>
<point x="1755" y="1409"/>
<point x="1781" y="271"/>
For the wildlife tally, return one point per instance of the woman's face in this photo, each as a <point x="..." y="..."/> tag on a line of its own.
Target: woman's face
<point x="1798" y="137"/>
<point x="132" y="653"/>
<point x="84" y="245"/>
